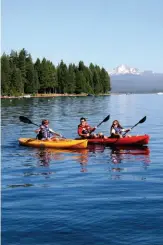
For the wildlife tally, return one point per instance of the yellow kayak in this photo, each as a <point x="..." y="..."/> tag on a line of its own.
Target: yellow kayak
<point x="59" y="143"/>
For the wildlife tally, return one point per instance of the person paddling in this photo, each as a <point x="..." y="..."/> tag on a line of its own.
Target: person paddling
<point x="85" y="130"/>
<point x="45" y="133"/>
<point x="116" y="130"/>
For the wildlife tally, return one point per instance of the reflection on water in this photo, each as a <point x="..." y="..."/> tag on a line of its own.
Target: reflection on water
<point x="45" y="156"/>
<point x="22" y="185"/>
<point x="118" y="155"/>
<point x="96" y="148"/>
<point x="41" y="164"/>
<point x="124" y="152"/>
<point x="122" y="155"/>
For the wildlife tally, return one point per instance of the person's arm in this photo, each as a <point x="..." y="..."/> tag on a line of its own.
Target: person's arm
<point x="37" y="130"/>
<point x="112" y="131"/>
<point x="125" y="129"/>
<point x="53" y="132"/>
<point x="91" y="129"/>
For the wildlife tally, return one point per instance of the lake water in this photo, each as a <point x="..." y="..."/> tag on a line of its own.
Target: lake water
<point x="96" y="196"/>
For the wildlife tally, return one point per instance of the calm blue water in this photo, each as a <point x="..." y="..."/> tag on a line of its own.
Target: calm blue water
<point x="94" y="196"/>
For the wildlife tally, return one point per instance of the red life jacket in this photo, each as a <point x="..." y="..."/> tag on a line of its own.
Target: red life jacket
<point x="84" y="129"/>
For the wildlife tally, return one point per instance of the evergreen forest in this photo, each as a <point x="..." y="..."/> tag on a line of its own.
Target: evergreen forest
<point x="20" y="75"/>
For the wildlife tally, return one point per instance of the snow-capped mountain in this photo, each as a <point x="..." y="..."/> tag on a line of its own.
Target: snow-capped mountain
<point x="124" y="69"/>
<point x="128" y="79"/>
<point x="127" y="70"/>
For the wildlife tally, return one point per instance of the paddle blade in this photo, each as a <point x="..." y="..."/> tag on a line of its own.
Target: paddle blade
<point x="106" y="118"/>
<point x="25" y="120"/>
<point x="143" y="119"/>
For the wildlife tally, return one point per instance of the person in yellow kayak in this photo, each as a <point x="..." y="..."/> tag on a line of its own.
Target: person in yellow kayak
<point x="45" y="133"/>
<point x="117" y="131"/>
<point x="85" y="130"/>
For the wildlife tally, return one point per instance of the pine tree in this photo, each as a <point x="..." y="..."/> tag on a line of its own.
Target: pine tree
<point x="52" y="77"/>
<point x="32" y="83"/>
<point x="62" y="75"/>
<point x="71" y="79"/>
<point x="14" y="58"/>
<point x="96" y="80"/>
<point x="44" y="76"/>
<point x="80" y="82"/>
<point x="22" y="64"/>
<point x="105" y="80"/>
<point x="17" y="85"/>
<point x="5" y="75"/>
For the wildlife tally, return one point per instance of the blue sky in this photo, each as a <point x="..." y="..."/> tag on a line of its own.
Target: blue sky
<point x="105" y="32"/>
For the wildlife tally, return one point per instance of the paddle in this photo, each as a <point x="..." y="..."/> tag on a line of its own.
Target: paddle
<point x="27" y="120"/>
<point x="141" y="121"/>
<point x="105" y="120"/>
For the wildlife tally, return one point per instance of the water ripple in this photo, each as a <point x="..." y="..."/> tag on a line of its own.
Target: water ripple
<point x="98" y="195"/>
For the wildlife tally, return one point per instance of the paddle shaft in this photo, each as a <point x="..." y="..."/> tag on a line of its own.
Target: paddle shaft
<point x="105" y="120"/>
<point x="134" y="125"/>
<point x="99" y="124"/>
<point x="130" y="129"/>
<point x="35" y="124"/>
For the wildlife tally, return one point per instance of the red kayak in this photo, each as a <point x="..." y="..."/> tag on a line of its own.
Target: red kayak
<point x="133" y="140"/>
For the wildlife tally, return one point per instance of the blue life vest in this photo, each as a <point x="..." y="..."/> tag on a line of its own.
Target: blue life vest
<point x="44" y="132"/>
<point x="118" y="130"/>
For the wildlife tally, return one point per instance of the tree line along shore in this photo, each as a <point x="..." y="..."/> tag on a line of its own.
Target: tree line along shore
<point x="21" y="77"/>
<point x="49" y="95"/>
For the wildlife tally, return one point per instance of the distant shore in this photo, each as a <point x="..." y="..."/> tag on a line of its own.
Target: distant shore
<point x="74" y="95"/>
<point x="49" y="95"/>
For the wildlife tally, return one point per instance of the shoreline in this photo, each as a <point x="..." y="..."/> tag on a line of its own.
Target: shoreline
<point x="73" y="95"/>
<point x="49" y="95"/>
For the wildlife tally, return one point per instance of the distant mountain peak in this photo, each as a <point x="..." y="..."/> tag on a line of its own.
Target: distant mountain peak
<point x="124" y="69"/>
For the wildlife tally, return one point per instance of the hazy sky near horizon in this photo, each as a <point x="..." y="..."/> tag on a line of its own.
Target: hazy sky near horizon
<point x="104" y="32"/>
